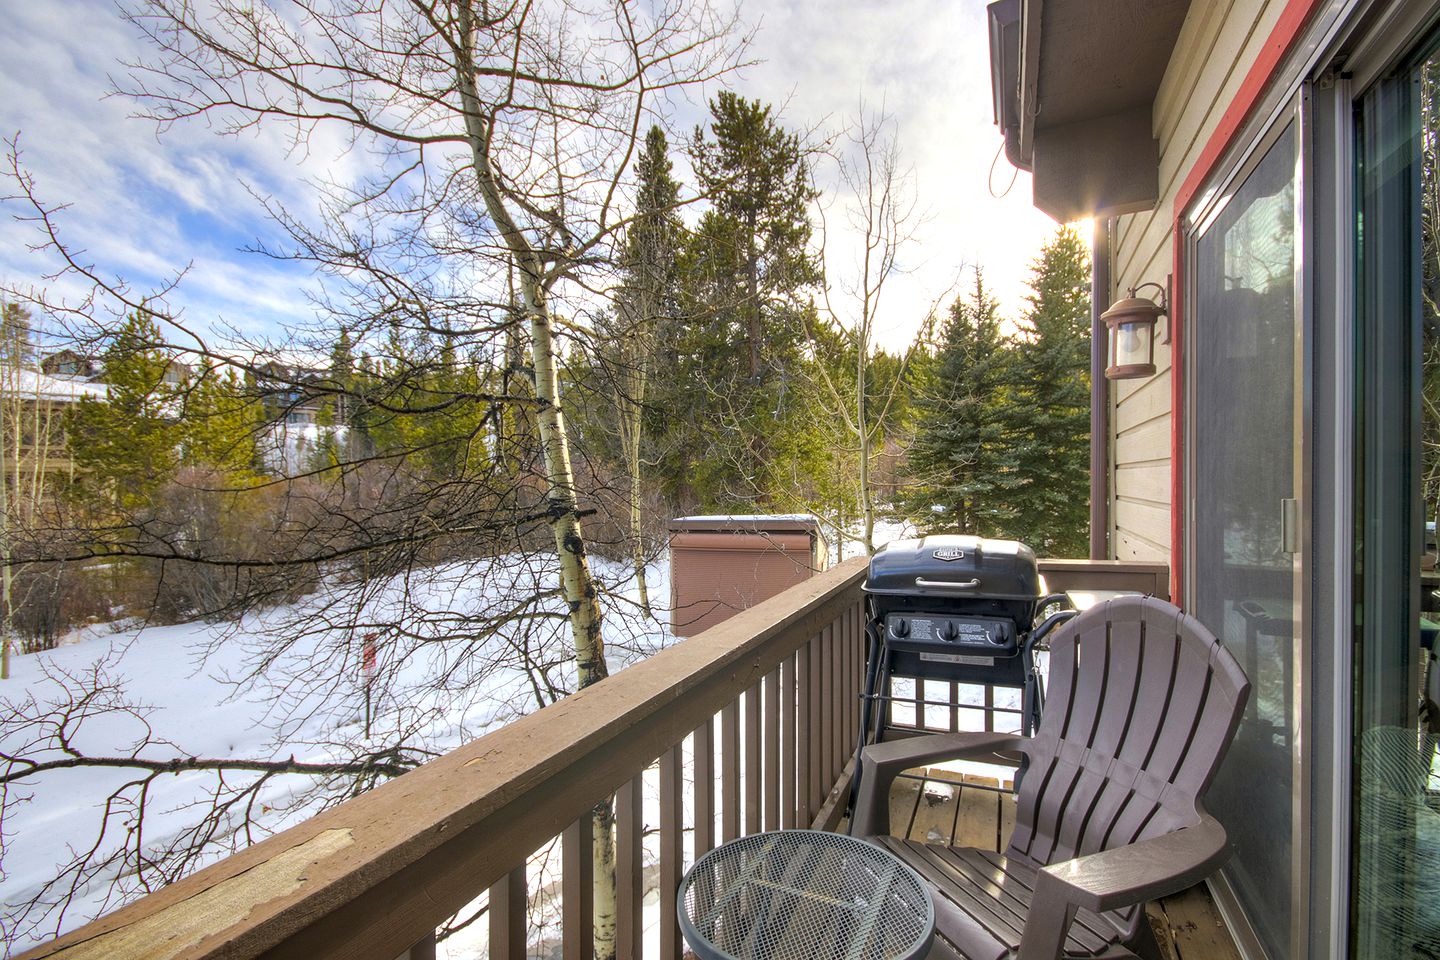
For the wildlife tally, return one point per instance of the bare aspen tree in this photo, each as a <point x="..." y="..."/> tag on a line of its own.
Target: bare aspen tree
<point x="647" y="296"/>
<point x="29" y="432"/>
<point x="502" y="135"/>
<point x="879" y="200"/>
<point x="399" y="558"/>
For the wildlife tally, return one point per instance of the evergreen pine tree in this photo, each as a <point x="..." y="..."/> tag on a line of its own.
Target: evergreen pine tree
<point x="646" y="302"/>
<point x="17" y="342"/>
<point x="334" y="441"/>
<point x="756" y="175"/>
<point x="220" y="422"/>
<point x="729" y="390"/>
<point x="126" y="445"/>
<point x="1047" y="494"/>
<point x="959" y="454"/>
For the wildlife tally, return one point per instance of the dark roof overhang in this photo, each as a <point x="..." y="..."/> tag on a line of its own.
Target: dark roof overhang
<point x="1074" y="83"/>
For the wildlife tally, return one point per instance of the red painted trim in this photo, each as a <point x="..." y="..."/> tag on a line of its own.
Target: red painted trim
<point x="1177" y="413"/>
<point x="1280" y="42"/>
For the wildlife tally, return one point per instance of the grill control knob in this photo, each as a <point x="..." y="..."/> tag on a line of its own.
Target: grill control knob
<point x="901" y="627"/>
<point x="949" y="633"/>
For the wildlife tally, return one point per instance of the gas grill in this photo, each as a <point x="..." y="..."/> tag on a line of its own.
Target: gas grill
<point x="953" y="608"/>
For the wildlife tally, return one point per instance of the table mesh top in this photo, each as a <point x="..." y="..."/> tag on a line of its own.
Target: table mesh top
<point x="804" y="894"/>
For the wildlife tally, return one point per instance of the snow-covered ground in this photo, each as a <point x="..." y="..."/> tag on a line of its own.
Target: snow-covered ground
<point x="306" y="699"/>
<point x="289" y="682"/>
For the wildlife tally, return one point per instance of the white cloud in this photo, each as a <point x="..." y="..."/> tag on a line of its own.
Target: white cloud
<point x="927" y="63"/>
<point x="141" y="206"/>
<point x="145" y="206"/>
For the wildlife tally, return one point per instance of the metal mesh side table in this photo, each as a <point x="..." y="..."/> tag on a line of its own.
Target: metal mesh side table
<point x="804" y="894"/>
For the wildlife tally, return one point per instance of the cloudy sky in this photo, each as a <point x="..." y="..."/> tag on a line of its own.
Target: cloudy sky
<point x="144" y="207"/>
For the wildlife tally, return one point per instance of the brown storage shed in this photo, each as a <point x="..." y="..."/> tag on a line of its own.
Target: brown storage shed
<point x="720" y="565"/>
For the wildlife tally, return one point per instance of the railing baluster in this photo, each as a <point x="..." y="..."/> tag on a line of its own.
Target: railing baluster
<point x="852" y="680"/>
<point x="815" y="741"/>
<point x="827" y="724"/>
<point x="730" y="771"/>
<point x="861" y="652"/>
<point x="848" y="685"/>
<point x="704" y="753"/>
<point x="788" y="768"/>
<point x="842" y="642"/>
<point x="752" y="760"/>
<point x="672" y="849"/>
<point x="842" y="684"/>
<point x="804" y="674"/>
<point x="837" y="642"/>
<point x="770" y="719"/>
<point x="577" y="890"/>
<point x="858" y="675"/>
<point x="508" y="900"/>
<point x="629" y="868"/>
<point x="842" y="689"/>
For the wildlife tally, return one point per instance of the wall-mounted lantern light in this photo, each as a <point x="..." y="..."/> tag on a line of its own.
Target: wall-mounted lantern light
<point x="1131" y="323"/>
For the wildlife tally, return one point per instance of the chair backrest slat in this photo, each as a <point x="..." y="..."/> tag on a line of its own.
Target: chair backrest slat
<point x="1143" y="702"/>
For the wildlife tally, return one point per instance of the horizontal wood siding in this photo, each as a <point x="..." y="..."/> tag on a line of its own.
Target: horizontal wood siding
<point x="1219" y="41"/>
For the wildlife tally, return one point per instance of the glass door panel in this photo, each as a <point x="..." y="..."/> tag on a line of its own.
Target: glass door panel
<point x="1396" y="794"/>
<point x="1243" y="469"/>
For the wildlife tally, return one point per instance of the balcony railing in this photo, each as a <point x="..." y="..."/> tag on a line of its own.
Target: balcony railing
<point x="749" y="726"/>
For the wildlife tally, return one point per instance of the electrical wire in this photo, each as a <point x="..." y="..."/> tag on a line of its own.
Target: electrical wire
<point x="990" y="180"/>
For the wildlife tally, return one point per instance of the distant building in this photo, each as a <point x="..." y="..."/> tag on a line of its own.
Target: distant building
<point x="72" y="364"/>
<point x="34" y="403"/>
<point x="286" y="391"/>
<point x="177" y="373"/>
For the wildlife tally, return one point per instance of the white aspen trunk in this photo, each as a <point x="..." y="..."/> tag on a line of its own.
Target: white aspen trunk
<point x="637" y="536"/>
<point x="634" y="380"/>
<point x="867" y="504"/>
<point x="576" y="581"/>
<point x="10" y="436"/>
<point x="6" y="618"/>
<point x="637" y="545"/>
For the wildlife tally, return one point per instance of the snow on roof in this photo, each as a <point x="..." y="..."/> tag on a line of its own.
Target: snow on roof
<point x="31" y="384"/>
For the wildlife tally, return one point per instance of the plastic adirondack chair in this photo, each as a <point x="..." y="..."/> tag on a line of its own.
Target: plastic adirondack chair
<point x="1143" y="702"/>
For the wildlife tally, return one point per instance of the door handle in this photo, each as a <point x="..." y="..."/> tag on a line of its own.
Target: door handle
<point x="1290" y="526"/>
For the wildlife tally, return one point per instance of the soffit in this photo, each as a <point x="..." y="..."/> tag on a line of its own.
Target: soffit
<point x="1074" y="83"/>
<point x="1099" y="58"/>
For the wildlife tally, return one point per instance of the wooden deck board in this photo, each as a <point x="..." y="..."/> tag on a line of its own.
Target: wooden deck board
<point x="942" y="806"/>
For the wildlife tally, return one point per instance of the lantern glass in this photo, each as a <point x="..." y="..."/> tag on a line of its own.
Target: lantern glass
<point x="1133" y="343"/>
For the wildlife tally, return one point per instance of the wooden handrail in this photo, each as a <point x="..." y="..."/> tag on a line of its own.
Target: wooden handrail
<point x="1152" y="579"/>
<point x="377" y="874"/>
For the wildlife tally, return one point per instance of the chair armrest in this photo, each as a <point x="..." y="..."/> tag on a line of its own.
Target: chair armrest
<point x="1142" y="871"/>
<point x="880" y="763"/>
<point x="1122" y="877"/>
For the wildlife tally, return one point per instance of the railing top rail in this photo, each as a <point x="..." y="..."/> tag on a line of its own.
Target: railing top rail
<point x="375" y="874"/>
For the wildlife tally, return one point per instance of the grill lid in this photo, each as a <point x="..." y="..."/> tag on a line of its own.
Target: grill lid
<point x="955" y="567"/>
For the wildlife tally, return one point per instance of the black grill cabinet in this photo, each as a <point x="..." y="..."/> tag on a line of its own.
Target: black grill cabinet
<point x="951" y="607"/>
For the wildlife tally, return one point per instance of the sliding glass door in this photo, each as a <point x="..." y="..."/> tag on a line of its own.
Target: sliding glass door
<point x="1245" y="520"/>
<point x="1396" y="778"/>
